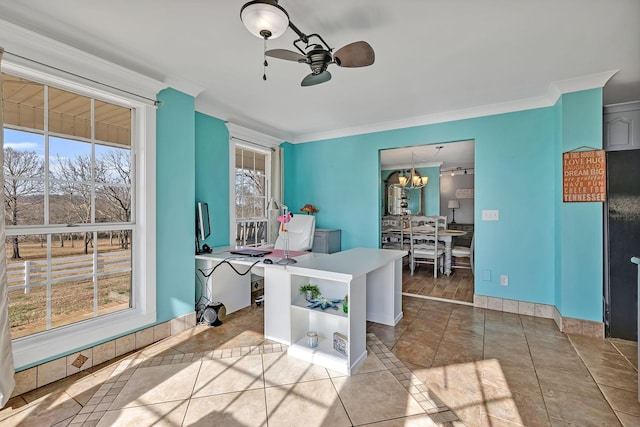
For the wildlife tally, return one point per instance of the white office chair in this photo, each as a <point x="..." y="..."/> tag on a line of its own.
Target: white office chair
<point x="300" y="229"/>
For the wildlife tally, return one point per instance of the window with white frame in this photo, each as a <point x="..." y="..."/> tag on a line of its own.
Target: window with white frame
<point x="68" y="206"/>
<point x="252" y="177"/>
<point x="73" y="214"/>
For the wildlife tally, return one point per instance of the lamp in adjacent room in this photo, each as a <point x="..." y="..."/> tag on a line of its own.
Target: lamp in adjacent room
<point x="453" y="205"/>
<point x="264" y="18"/>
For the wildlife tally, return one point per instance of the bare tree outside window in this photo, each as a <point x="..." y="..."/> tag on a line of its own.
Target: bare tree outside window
<point x="23" y="172"/>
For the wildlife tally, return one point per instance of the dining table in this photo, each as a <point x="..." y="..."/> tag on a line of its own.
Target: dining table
<point x="398" y="228"/>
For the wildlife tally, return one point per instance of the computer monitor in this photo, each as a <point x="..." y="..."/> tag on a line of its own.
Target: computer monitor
<point x="203" y="226"/>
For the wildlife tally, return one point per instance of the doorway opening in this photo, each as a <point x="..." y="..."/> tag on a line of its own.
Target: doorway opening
<point x="449" y="171"/>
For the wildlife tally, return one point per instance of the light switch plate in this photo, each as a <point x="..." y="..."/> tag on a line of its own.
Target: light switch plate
<point x="490" y="215"/>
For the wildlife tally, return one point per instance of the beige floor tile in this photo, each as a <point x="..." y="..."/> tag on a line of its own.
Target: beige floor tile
<point x="423" y="420"/>
<point x="557" y="379"/>
<point x="312" y="403"/>
<point x="413" y="352"/>
<point x="46" y="411"/>
<point x="228" y="375"/>
<point x="622" y="400"/>
<point x="628" y="420"/>
<point x="622" y="378"/>
<point x="579" y="410"/>
<point x="158" y="384"/>
<point x="167" y="414"/>
<point x="519" y="409"/>
<point x="375" y="396"/>
<point x="246" y="408"/>
<point x="281" y="369"/>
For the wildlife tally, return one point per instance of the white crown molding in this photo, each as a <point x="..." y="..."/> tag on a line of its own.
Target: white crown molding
<point x="251" y="136"/>
<point x="51" y="53"/>
<point x="184" y="86"/>
<point x="592" y="81"/>
<point x="554" y="91"/>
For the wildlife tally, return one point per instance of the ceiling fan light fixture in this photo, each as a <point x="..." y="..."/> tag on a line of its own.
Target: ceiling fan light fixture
<point x="264" y="18"/>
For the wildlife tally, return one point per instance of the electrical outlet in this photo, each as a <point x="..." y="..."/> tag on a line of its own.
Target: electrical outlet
<point x="504" y="280"/>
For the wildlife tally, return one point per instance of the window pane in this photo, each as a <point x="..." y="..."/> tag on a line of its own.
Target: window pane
<point x="26" y="274"/>
<point x="69" y="113"/>
<point x="24" y="202"/>
<point x="69" y="160"/>
<point x="113" y="165"/>
<point x="23" y="154"/>
<point x="70" y="203"/>
<point x="71" y="278"/>
<point x="114" y="271"/>
<point x="113" y="203"/>
<point x="112" y="123"/>
<point x="22" y="102"/>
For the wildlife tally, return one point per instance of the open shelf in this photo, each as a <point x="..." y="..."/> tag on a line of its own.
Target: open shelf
<point x="301" y="303"/>
<point x="324" y="354"/>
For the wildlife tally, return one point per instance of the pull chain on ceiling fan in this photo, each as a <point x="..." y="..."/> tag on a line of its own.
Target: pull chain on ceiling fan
<point x="267" y="19"/>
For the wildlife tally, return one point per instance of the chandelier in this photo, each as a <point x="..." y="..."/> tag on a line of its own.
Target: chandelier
<point x="414" y="181"/>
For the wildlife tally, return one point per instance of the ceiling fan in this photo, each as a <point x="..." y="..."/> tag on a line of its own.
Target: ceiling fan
<point x="267" y="19"/>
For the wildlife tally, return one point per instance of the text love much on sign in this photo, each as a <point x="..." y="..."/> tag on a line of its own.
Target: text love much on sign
<point x="584" y="176"/>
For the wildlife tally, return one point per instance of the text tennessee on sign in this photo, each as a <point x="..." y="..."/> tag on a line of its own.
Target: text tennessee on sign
<point x="584" y="176"/>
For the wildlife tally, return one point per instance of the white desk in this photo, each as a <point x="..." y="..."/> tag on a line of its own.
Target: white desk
<point x="372" y="278"/>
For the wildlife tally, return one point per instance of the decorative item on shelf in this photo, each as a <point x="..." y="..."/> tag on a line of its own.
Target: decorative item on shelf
<point x="324" y="303"/>
<point x="345" y="304"/>
<point x="309" y="209"/>
<point x="453" y="205"/>
<point x="312" y="339"/>
<point x="310" y="291"/>
<point x="340" y="343"/>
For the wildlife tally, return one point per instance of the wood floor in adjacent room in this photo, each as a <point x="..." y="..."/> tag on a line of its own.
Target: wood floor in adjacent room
<point x="457" y="287"/>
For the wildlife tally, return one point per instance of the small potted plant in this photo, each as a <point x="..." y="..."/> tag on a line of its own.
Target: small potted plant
<point x="310" y="291"/>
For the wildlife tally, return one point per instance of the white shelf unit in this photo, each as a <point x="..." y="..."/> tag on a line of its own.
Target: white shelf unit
<point x="326" y="322"/>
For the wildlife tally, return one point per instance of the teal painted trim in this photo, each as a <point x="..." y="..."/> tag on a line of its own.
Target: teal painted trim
<point x="175" y="195"/>
<point x="212" y="175"/>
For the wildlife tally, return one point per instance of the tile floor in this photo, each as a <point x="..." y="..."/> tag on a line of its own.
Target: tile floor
<point x="458" y="286"/>
<point x="443" y="364"/>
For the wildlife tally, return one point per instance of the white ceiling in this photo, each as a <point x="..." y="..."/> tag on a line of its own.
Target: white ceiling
<point x="446" y="156"/>
<point x="433" y="57"/>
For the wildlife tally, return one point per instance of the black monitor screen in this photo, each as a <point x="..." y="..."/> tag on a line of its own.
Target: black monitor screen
<point x="203" y="227"/>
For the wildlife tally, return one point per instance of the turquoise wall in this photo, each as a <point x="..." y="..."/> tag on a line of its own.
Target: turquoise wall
<point x="515" y="160"/>
<point x="212" y="175"/>
<point x="175" y="196"/>
<point x="581" y="224"/>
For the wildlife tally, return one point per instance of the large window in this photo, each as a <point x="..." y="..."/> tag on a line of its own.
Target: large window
<point x="68" y="206"/>
<point x="252" y="177"/>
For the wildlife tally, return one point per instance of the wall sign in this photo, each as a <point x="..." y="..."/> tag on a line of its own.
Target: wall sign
<point x="464" y="193"/>
<point x="584" y="176"/>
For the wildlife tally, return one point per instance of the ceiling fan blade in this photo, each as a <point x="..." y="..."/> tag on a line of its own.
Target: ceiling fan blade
<point x="314" y="79"/>
<point x="289" y="55"/>
<point x="356" y="54"/>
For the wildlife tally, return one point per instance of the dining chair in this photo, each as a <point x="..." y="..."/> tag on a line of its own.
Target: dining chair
<point x="463" y="252"/>
<point x="425" y="247"/>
